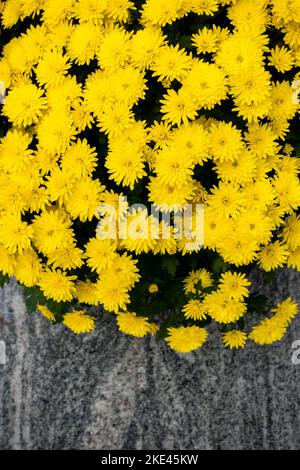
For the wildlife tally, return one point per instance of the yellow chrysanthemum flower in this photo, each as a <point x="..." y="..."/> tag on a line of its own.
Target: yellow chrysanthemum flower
<point x="51" y="70"/>
<point x="46" y="312"/>
<point x="197" y="280"/>
<point x="133" y="325"/>
<point x="28" y="268"/>
<point x="186" y="339"/>
<point x="226" y="141"/>
<point x="223" y="309"/>
<point x="79" y="322"/>
<point x="86" y="293"/>
<point x="100" y="254"/>
<point x="7" y="261"/>
<point x="286" y="311"/>
<point x="195" y="310"/>
<point x="291" y="232"/>
<point x="268" y="331"/>
<point x="281" y="58"/>
<point x="171" y="63"/>
<point x="235" y="285"/>
<point x="83" y="199"/>
<point x="178" y="107"/>
<point x="15" y="234"/>
<point x="24" y="104"/>
<point x="153" y="288"/>
<point x="113" y="296"/>
<point x="57" y="285"/>
<point x="272" y="256"/>
<point x="11" y="13"/>
<point x="234" y="339"/>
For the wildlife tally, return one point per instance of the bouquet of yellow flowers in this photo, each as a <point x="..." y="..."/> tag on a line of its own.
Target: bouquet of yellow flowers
<point x="148" y="163"/>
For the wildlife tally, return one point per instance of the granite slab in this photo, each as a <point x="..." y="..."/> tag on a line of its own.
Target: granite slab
<point x="109" y="391"/>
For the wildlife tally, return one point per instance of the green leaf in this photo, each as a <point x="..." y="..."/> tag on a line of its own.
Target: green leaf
<point x="241" y="323"/>
<point x="4" y="279"/>
<point x="218" y="265"/>
<point x="59" y="308"/>
<point x="170" y="264"/>
<point x="269" y="276"/>
<point x="256" y="303"/>
<point x="175" y="319"/>
<point x="33" y="296"/>
<point x="185" y="42"/>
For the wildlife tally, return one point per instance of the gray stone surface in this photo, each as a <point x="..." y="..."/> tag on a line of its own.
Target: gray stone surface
<point x="108" y="391"/>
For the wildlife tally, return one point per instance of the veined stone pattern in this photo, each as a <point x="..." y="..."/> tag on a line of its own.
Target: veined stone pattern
<point x="106" y="390"/>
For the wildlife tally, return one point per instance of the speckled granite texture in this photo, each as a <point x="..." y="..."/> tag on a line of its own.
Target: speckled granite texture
<point x="108" y="391"/>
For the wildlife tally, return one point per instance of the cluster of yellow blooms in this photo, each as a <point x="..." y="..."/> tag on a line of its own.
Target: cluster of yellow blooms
<point x="50" y="182"/>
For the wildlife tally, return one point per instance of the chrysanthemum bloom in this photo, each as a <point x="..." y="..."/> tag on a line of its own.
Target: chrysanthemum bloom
<point x="86" y="292"/>
<point x="167" y="197"/>
<point x="7" y="261"/>
<point x="226" y="143"/>
<point x="28" y="269"/>
<point x="235" y="285"/>
<point x="51" y="69"/>
<point x="100" y="254"/>
<point x="251" y="87"/>
<point x="171" y="63"/>
<point x="52" y="230"/>
<point x="268" y="331"/>
<point x="156" y="12"/>
<point x="186" y="339"/>
<point x="281" y="58"/>
<point x="25" y="104"/>
<point x="153" y="288"/>
<point x="291" y="232"/>
<point x="172" y="167"/>
<point x="293" y="260"/>
<point x="114" y="296"/>
<point x="11" y="13"/>
<point x="199" y="279"/>
<point x="15" y="151"/>
<point x="179" y="107"/>
<point x="69" y="257"/>
<point x="272" y="256"/>
<point x="46" y="312"/>
<point x="286" y="311"/>
<point x="223" y="309"/>
<point x="133" y="325"/>
<point x="15" y="234"/>
<point x="227" y="201"/>
<point x="83" y="200"/>
<point x="234" y="339"/>
<point x="206" y="40"/>
<point x="57" y="285"/>
<point x="56" y="131"/>
<point x="79" y="322"/>
<point x="195" y="310"/>
<point x="206" y="84"/>
<point x="138" y="232"/>
<point x="80" y="159"/>
<point x="122" y="271"/>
